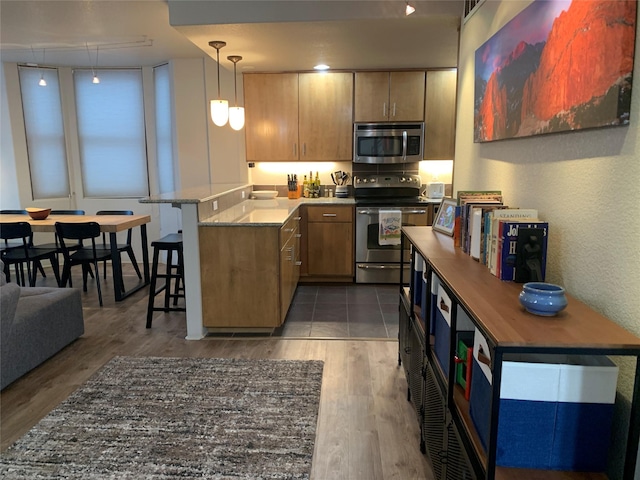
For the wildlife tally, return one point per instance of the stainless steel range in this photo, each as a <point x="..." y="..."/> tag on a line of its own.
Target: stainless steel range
<point x="377" y="258"/>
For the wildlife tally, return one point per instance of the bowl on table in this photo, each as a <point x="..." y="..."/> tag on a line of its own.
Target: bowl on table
<point x="544" y="299"/>
<point x="38" y="213"/>
<point x="264" y="194"/>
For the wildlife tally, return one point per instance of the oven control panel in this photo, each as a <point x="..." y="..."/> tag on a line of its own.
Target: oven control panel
<point x="387" y="181"/>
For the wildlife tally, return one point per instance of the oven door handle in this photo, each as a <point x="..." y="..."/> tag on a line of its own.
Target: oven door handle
<point x="370" y="211"/>
<point x="378" y="267"/>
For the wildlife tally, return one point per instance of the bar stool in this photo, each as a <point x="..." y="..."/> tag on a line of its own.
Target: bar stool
<point x="169" y="243"/>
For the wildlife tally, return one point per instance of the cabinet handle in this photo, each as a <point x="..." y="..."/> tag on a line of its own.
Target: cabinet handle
<point x="443" y="306"/>
<point x="297" y="219"/>
<point x="384" y="109"/>
<point x="378" y="267"/>
<point x="482" y="357"/>
<point x="298" y="235"/>
<point x="394" y="110"/>
<point x="329" y="214"/>
<point x="295" y="149"/>
<point x="298" y="263"/>
<point x="304" y="149"/>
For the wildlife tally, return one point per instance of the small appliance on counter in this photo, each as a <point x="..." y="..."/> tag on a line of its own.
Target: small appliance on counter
<point x="435" y="190"/>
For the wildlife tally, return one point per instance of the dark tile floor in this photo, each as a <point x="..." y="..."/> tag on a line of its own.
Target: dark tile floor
<point x="349" y="311"/>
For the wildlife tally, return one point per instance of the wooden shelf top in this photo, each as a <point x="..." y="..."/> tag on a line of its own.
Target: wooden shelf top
<point x="495" y="304"/>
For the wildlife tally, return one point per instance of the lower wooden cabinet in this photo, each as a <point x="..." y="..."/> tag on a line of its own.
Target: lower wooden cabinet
<point x="248" y="274"/>
<point x="329" y="242"/>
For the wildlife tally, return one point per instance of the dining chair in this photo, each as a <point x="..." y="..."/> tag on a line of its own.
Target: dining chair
<point x="67" y="212"/>
<point x="25" y="253"/>
<point x="37" y="264"/>
<point x="122" y="247"/>
<point x="87" y="255"/>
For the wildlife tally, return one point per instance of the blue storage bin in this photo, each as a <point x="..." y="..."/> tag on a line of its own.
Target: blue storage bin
<point x="555" y="410"/>
<point x="442" y="326"/>
<point x="416" y="271"/>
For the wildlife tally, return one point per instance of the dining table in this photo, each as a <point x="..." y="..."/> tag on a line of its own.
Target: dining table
<point x="111" y="224"/>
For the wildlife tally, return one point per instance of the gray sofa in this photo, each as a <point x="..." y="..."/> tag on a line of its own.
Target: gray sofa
<point x="35" y="324"/>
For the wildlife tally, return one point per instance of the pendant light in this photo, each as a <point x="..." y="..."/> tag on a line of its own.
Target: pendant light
<point x="409" y="9"/>
<point x="219" y="107"/>
<point x="42" y="82"/>
<point x="236" y="113"/>
<point x="96" y="80"/>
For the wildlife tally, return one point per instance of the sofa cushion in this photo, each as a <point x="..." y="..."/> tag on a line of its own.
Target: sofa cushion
<point x="9" y="296"/>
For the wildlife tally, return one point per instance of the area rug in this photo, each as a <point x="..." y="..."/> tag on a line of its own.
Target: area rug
<point x="160" y="418"/>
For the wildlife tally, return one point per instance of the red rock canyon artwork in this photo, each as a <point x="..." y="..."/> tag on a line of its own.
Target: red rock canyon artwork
<point x="557" y="66"/>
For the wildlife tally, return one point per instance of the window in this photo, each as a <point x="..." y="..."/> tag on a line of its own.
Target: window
<point x="111" y="133"/>
<point x="44" y="132"/>
<point x="164" y="144"/>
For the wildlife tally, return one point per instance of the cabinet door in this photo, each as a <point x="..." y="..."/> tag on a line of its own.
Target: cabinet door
<point x="330" y="248"/>
<point x="371" y="97"/>
<point x="406" y="96"/>
<point x="326" y="116"/>
<point x="440" y="115"/>
<point x="287" y="275"/>
<point x="271" y="110"/>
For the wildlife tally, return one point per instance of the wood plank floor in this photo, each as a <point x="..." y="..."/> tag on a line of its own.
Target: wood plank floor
<point x="366" y="427"/>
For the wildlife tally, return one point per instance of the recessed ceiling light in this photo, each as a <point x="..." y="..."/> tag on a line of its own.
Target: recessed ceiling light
<point x="321" y="67"/>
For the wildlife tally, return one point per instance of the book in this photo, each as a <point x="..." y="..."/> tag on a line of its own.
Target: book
<point x="531" y="255"/>
<point x="466" y="212"/>
<point x="494" y="217"/>
<point x="508" y="245"/>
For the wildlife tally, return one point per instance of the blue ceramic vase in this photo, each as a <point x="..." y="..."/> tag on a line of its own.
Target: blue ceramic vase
<point x="542" y="298"/>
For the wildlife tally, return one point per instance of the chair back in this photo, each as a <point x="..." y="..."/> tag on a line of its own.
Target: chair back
<point x="67" y="212"/>
<point x="15" y="230"/>
<point x="116" y="212"/>
<point x="76" y="231"/>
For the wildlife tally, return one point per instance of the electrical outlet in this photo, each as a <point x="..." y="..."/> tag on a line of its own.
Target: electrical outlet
<point x="215" y="205"/>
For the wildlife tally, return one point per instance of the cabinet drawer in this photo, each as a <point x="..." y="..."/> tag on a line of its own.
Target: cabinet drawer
<point x="329" y="213"/>
<point x="290" y="228"/>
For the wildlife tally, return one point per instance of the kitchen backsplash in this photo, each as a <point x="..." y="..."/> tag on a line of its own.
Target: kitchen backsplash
<point x="274" y="174"/>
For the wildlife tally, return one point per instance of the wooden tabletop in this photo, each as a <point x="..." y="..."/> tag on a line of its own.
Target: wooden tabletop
<point x="108" y="223"/>
<point x="495" y="304"/>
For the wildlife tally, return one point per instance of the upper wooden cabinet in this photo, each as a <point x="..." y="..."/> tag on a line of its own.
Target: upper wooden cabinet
<point x="291" y="116"/>
<point x="440" y="115"/>
<point x="271" y="116"/>
<point x="389" y="96"/>
<point x="325" y="116"/>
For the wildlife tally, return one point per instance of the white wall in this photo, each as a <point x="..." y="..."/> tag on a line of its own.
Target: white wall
<point x="585" y="184"/>
<point x="9" y="195"/>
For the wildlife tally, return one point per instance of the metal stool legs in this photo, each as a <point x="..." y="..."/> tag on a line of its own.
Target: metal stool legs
<point x="173" y="273"/>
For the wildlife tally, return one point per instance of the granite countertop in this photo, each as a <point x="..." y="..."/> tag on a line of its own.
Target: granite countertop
<point x="199" y="194"/>
<point x="273" y="212"/>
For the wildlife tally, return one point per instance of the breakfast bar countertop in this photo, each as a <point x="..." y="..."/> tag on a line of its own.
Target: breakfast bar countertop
<point x="199" y="194"/>
<point x="274" y="212"/>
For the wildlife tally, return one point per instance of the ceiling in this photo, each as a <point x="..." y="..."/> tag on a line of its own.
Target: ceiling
<point x="288" y="35"/>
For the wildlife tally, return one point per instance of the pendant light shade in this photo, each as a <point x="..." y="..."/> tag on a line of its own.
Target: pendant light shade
<point x="409" y="9"/>
<point x="219" y="112"/>
<point x="236" y="113"/>
<point x="219" y="107"/>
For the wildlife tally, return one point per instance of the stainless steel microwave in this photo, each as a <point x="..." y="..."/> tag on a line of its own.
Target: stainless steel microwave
<point x="388" y="142"/>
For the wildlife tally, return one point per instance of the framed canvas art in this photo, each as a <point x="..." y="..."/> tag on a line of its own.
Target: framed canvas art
<point x="559" y="65"/>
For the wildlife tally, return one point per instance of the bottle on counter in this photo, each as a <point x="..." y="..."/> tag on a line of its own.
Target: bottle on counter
<point x="305" y="187"/>
<point x="317" y="185"/>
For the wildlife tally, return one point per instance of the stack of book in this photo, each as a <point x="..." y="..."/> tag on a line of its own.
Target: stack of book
<point x="511" y="242"/>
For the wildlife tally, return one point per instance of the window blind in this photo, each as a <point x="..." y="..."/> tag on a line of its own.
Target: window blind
<point x="44" y="131"/>
<point x="111" y="133"/>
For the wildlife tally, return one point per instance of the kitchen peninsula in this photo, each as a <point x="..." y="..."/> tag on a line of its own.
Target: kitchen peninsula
<point x="241" y="255"/>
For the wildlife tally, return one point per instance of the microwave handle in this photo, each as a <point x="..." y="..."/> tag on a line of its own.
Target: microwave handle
<point x="404" y="144"/>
